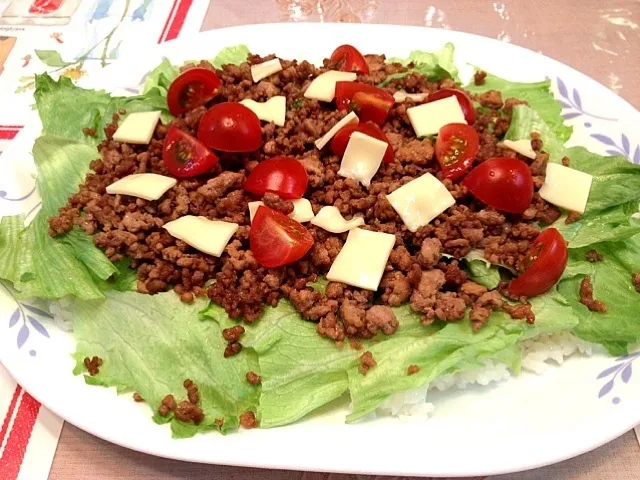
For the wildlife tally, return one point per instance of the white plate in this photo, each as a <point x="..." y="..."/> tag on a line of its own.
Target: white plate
<point x="519" y="424"/>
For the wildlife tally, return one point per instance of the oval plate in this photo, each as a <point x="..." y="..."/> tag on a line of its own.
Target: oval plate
<point x="523" y="423"/>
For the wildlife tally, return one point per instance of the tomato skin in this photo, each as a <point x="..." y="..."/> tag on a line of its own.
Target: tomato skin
<point x="370" y="107"/>
<point x="191" y="89"/>
<point x="276" y="239"/>
<point x="548" y="259"/>
<point x="230" y="127"/>
<point x="186" y="156"/>
<point x="347" y="58"/>
<point x="503" y="183"/>
<point x="346" y="90"/>
<point x="284" y="176"/>
<point x="341" y="139"/>
<point x="456" y="147"/>
<point x="465" y="102"/>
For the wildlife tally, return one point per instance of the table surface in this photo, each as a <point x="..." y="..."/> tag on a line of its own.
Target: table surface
<point x="601" y="39"/>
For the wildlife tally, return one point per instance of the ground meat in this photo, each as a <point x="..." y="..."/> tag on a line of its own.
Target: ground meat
<point x="483" y="306"/>
<point x="490" y="99"/>
<point x="89" y="132"/>
<point x="472" y="289"/>
<point x="233" y="334"/>
<point x="635" y="279"/>
<point x="479" y="77"/>
<point x="449" y="306"/>
<point x="396" y="287"/>
<point x="274" y="201"/>
<point x="218" y="186"/>
<point x="167" y="405"/>
<point x="509" y="103"/>
<point x="572" y="217"/>
<point x="253" y="378"/>
<point x="192" y="391"/>
<point x="566" y="161"/>
<point x="522" y="310"/>
<point x="93" y="365"/>
<point x="381" y="318"/>
<point x="401" y="258"/>
<point x="430" y="252"/>
<point x="586" y="296"/>
<point x="189" y="413"/>
<point x="137" y="397"/>
<point x="232" y="349"/>
<point x="413" y="369"/>
<point x="367" y="362"/>
<point x="415" y="151"/>
<point x="248" y="420"/>
<point x="593" y="256"/>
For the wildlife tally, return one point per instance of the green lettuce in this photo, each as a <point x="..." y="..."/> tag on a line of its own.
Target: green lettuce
<point x="435" y="66"/>
<point x="481" y="271"/>
<point x="231" y="56"/>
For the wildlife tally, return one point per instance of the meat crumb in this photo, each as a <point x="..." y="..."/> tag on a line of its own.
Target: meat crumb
<point x="167" y="405"/>
<point x="593" y="256"/>
<point x="520" y="311"/>
<point x="189" y="413"/>
<point x="137" y="397"/>
<point x="232" y="349"/>
<point x="413" y="369"/>
<point x="479" y="77"/>
<point x="218" y="422"/>
<point x="635" y="279"/>
<point x="573" y="217"/>
<point x="192" y="392"/>
<point x="248" y="420"/>
<point x="89" y="132"/>
<point x="366" y="362"/>
<point x="355" y="344"/>
<point x="586" y="296"/>
<point x="93" y="365"/>
<point x="233" y="334"/>
<point x="566" y="162"/>
<point x="253" y="378"/>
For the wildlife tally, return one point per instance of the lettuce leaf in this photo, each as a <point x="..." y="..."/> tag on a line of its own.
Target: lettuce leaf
<point x="481" y="271"/>
<point x="435" y="66"/>
<point x="231" y="56"/>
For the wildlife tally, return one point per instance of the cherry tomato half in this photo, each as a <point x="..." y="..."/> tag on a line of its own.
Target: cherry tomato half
<point x="186" y="156"/>
<point x="370" y="107"/>
<point x="348" y="59"/>
<point x="341" y="139"/>
<point x="502" y="183"/>
<point x="282" y="175"/>
<point x="463" y="100"/>
<point x="456" y="147"/>
<point x="346" y="90"/>
<point x="230" y="127"/>
<point x="191" y="89"/>
<point x="276" y="240"/>
<point x="547" y="260"/>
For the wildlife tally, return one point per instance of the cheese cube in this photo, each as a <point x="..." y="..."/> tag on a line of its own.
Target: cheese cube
<point x="273" y="110"/>
<point x="208" y="236"/>
<point x="348" y="119"/>
<point x="137" y="128"/>
<point x="566" y="187"/>
<point x="330" y="219"/>
<point x="263" y="70"/>
<point x="149" y="186"/>
<point x="429" y="118"/>
<point x="302" y="211"/>
<point x="363" y="258"/>
<point x="362" y="158"/>
<point x="401" y="96"/>
<point x="420" y="201"/>
<point x="323" y="87"/>
<point x="523" y="147"/>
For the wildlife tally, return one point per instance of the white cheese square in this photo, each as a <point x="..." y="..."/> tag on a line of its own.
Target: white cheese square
<point x="330" y="219"/>
<point x="273" y="110"/>
<point x="302" y="210"/>
<point x="208" y="236"/>
<point x="401" y="96"/>
<point x="566" y="187"/>
<point x="429" y="118"/>
<point x="326" y="138"/>
<point x="420" y="201"/>
<point x="137" y="128"/>
<point x="323" y="87"/>
<point x="362" y="158"/>
<point x="149" y="186"/>
<point x="264" y="69"/>
<point x="363" y="258"/>
<point x="523" y="147"/>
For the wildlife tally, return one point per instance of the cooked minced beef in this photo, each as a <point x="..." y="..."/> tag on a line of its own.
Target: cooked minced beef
<point x="93" y="365"/>
<point x="248" y="420"/>
<point x="413" y="369"/>
<point x="635" y="279"/>
<point x="587" y="299"/>
<point x="253" y="378"/>
<point x="367" y="362"/>
<point x="417" y="273"/>
<point x="593" y="256"/>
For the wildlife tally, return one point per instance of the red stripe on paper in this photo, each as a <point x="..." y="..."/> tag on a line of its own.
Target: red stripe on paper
<point x="168" y="22"/>
<point x="9" y="132"/>
<point x="16" y="447"/>
<point x="178" y="19"/>
<point x="7" y="418"/>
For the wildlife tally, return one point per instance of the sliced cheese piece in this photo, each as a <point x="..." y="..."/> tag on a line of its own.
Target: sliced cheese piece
<point x="273" y="110"/>
<point x="523" y="147"/>
<point x="401" y="96"/>
<point x="264" y="69"/>
<point x="429" y="118"/>
<point x="330" y="219"/>
<point x="362" y="158"/>
<point x="348" y="119"/>
<point x="420" y="201"/>
<point x="137" y="128"/>
<point x="302" y="211"/>
<point x="323" y="87"/>
<point x="363" y="258"/>
<point x="208" y="236"/>
<point x="149" y="186"/>
<point x="566" y="187"/>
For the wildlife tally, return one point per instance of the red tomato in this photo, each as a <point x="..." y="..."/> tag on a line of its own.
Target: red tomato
<point x="503" y="183"/>
<point x="463" y="100"/>
<point x="230" y="127"/>
<point x="191" y="89"/>
<point x="276" y="239"/>
<point x="346" y="90"/>
<point x="186" y="156"/>
<point x="341" y="139"/>
<point x="547" y="260"/>
<point x="282" y="175"/>
<point x="349" y="59"/>
<point x="456" y="147"/>
<point x="370" y="107"/>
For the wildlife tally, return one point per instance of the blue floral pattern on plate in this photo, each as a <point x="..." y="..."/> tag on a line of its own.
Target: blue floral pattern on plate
<point x="25" y="316"/>
<point x="623" y="370"/>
